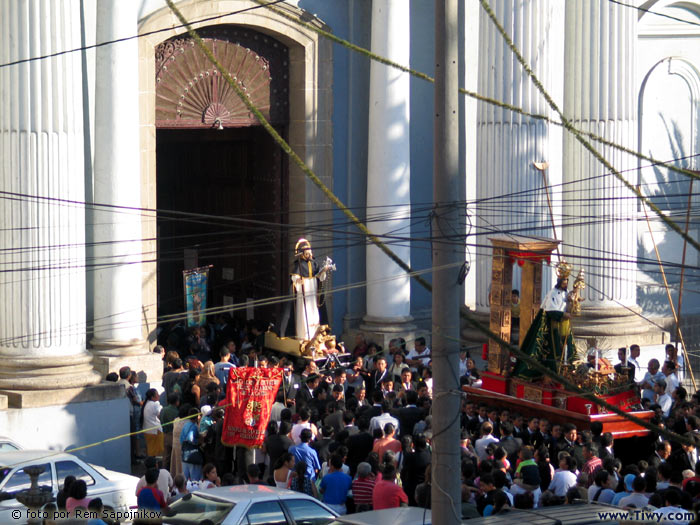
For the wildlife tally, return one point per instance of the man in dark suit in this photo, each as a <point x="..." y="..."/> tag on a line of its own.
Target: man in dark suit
<point x="568" y="443"/>
<point x="409" y="415"/>
<point x="686" y="457"/>
<point x="512" y="445"/>
<point x="379" y="374"/>
<point x="334" y="419"/>
<point x="532" y="435"/>
<point x="375" y="409"/>
<point x="290" y="384"/>
<point x="662" y="451"/>
<point x="624" y="367"/>
<point x="349" y="423"/>
<point x="306" y="393"/>
<point x="359" y="445"/>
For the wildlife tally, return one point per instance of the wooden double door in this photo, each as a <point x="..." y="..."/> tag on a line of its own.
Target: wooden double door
<point x="222" y="201"/>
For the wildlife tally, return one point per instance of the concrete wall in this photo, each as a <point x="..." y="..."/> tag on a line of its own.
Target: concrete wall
<point x="74" y="425"/>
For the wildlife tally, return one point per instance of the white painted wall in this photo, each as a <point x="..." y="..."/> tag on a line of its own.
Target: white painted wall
<point x="74" y="425"/>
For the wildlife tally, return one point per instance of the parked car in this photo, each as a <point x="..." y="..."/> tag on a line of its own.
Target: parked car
<point x="249" y="505"/>
<point x="397" y="516"/>
<point x="6" y="444"/>
<point x="583" y="513"/>
<point x="114" y="488"/>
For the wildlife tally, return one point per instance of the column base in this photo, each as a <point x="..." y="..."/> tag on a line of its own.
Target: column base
<point x="110" y="356"/>
<point x="47" y="372"/>
<point x="381" y="330"/>
<point x="614" y="327"/>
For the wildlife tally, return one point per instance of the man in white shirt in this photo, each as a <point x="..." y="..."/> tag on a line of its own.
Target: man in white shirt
<point x="632" y="359"/>
<point x="165" y="480"/>
<point x="419" y="356"/>
<point x="564" y="478"/>
<point x="385" y="417"/>
<point x="662" y="398"/>
<point x="669" y="370"/>
<point x="650" y="378"/>
<point x="486" y="439"/>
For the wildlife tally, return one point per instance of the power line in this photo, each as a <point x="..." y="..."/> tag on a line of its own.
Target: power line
<point x="133" y="37"/>
<point x="655" y="13"/>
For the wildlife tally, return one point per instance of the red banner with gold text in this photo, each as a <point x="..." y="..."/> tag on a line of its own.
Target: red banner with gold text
<point x="249" y="398"/>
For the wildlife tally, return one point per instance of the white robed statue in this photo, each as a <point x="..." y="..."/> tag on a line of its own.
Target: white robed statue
<point x="306" y="275"/>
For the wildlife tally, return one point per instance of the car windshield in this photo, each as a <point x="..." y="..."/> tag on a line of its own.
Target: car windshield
<point x="193" y="508"/>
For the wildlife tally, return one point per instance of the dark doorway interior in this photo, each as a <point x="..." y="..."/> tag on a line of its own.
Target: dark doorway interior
<point x="236" y="180"/>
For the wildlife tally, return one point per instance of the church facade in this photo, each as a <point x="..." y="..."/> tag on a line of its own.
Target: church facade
<point x="125" y="158"/>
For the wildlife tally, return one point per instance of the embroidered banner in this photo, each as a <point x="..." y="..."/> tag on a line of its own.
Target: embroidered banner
<point x="249" y="397"/>
<point x="195" y="282"/>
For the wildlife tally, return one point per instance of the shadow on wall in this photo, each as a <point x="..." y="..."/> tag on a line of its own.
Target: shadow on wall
<point x="669" y="191"/>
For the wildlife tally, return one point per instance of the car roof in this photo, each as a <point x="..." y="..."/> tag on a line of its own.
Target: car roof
<point x="13" y="457"/>
<point x="576" y="514"/>
<point x="254" y="492"/>
<point x="396" y="516"/>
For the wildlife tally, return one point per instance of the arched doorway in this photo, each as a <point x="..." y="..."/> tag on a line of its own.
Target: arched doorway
<point x="222" y="182"/>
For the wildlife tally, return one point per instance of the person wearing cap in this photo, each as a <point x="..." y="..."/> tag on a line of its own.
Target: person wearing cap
<point x="306" y="273"/>
<point x="628" y="480"/>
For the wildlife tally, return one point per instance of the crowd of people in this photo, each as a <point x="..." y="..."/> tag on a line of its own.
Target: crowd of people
<point x="358" y="436"/>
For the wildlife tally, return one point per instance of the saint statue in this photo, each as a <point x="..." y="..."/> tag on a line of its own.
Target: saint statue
<point x="549" y="339"/>
<point x="306" y="275"/>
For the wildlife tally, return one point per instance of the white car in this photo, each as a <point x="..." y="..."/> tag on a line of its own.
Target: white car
<point x="114" y="488"/>
<point x="248" y="505"/>
<point x="397" y="516"/>
<point x="6" y="444"/>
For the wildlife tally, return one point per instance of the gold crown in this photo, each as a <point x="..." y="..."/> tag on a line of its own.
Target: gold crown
<point x="563" y="270"/>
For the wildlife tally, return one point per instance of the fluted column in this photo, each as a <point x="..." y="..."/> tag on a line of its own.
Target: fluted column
<point x="117" y="181"/>
<point x="388" y="169"/>
<point x="509" y="188"/>
<point x="42" y="220"/>
<point x="600" y="232"/>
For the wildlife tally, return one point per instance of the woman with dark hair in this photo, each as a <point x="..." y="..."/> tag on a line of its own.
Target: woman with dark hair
<point x="153" y="431"/>
<point x="283" y="470"/>
<point x="64" y="492"/>
<point x="300" y="482"/>
<point x="545" y="466"/>
<point x="78" y="495"/>
<point x="191" y="392"/>
<point x="210" y="478"/>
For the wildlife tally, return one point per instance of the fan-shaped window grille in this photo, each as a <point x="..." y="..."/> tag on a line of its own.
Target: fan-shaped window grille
<point x="192" y="93"/>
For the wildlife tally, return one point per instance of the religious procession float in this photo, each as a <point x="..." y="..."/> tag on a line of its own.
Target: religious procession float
<point x="313" y="340"/>
<point x="514" y="383"/>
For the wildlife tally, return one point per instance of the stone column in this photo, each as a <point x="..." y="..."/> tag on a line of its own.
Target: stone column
<point x="42" y="220"/>
<point x="601" y="233"/>
<point x="508" y="143"/>
<point x="389" y="176"/>
<point x="118" y="314"/>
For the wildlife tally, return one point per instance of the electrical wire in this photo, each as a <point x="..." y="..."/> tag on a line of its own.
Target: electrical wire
<point x="134" y="37"/>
